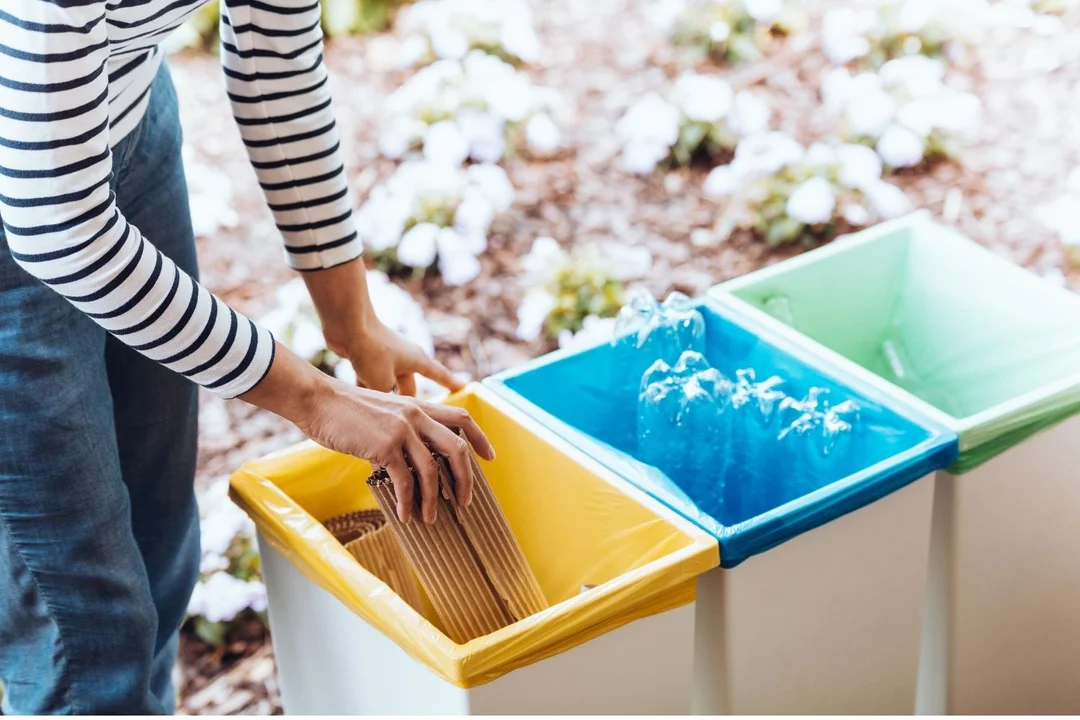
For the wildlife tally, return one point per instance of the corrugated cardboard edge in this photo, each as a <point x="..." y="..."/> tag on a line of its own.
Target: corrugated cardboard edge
<point x="367" y="537"/>
<point x="446" y="565"/>
<point x="493" y="541"/>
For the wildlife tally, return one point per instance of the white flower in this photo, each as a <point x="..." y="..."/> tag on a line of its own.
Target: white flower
<point x="887" y="200"/>
<point x="919" y="116"/>
<point x="345" y="372"/>
<point x="1072" y="182"/>
<point x="641" y="157"/>
<point x="485" y="132"/>
<point x="594" y="330"/>
<point x="445" y="143"/>
<point x="542" y="136"/>
<point x="412" y="51"/>
<point x="222" y="597"/>
<point x="719" y="31"/>
<point x="820" y="154"/>
<point x="749" y="114"/>
<point x="533" y="312"/>
<point x="307" y="338"/>
<point x="519" y="39"/>
<point x="702" y="98"/>
<point x="457" y="264"/>
<point x="449" y="43"/>
<point x="842" y="33"/>
<point x="473" y="219"/>
<point x="221" y="521"/>
<point x="855" y="214"/>
<point x="382" y="218"/>
<point x="766" y="153"/>
<point x="400" y="137"/>
<point x="543" y="259"/>
<point x="959" y="113"/>
<point x="836" y="88"/>
<point x="859" y="165"/>
<point x="624" y="262"/>
<point x="417" y="246"/>
<point x="651" y="121"/>
<point x="491" y="181"/>
<point x="869" y="113"/>
<point x="764" y="11"/>
<point x="900" y="147"/>
<point x="812" y="202"/>
<point x="399" y="311"/>
<point x="722" y="181"/>
<point x="915" y="15"/>
<point x="211" y="563"/>
<point x="918" y="75"/>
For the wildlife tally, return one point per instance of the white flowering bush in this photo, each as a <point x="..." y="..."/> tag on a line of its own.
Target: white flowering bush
<point x="449" y="29"/>
<point x="731" y="31"/>
<point x="785" y="193"/>
<point x="568" y="288"/>
<point x="295" y="323"/>
<point x="434" y="215"/>
<point x="479" y="108"/>
<point x="1059" y="215"/>
<point x="871" y="32"/>
<point x="230" y="587"/>
<point x="905" y="110"/>
<point x="702" y="116"/>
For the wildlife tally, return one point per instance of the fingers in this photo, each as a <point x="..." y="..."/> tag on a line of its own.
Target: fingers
<point x="406" y="384"/>
<point x="435" y="370"/>
<point x="380" y="379"/>
<point x="456" y="450"/>
<point x="427" y="473"/>
<point x="403" y="487"/>
<point x="455" y="417"/>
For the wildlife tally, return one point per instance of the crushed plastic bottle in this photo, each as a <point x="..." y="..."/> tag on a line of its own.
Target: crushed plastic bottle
<point x="763" y="399"/>
<point x="647" y="331"/>
<point x="682" y="428"/>
<point x="820" y="438"/>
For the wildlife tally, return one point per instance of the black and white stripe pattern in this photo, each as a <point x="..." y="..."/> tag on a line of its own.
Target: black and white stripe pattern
<point x="74" y="81"/>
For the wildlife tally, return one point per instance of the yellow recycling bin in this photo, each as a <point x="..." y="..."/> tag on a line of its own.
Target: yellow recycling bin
<point x="618" y="568"/>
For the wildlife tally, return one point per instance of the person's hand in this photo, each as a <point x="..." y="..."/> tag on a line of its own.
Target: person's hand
<point x="389" y="431"/>
<point x="382" y="359"/>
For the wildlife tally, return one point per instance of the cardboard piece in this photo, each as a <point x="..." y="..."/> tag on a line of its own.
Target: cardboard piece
<point x="468" y="561"/>
<point x="368" y="538"/>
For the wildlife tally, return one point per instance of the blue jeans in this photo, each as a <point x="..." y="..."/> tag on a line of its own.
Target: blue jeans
<point x="99" y="530"/>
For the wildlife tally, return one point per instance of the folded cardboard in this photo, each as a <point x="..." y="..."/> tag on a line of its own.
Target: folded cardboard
<point x="468" y="561"/>
<point x="368" y="538"/>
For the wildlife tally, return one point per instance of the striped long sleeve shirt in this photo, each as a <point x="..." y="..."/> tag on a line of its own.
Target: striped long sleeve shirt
<point x="74" y="81"/>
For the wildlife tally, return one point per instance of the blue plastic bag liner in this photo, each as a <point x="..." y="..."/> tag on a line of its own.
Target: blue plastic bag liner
<point x="584" y="397"/>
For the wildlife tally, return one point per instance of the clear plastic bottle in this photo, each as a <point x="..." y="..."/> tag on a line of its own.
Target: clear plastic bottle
<point x="681" y="424"/>
<point x="647" y="331"/>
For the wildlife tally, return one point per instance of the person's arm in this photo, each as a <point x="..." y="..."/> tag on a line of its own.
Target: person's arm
<point x="272" y="52"/>
<point x="63" y="227"/>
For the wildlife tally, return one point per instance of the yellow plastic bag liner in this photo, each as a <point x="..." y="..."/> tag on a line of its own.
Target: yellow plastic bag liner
<point x="578" y="524"/>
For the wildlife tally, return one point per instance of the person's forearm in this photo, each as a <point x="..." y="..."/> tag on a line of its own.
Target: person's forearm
<point x="291" y="389"/>
<point x="340" y="295"/>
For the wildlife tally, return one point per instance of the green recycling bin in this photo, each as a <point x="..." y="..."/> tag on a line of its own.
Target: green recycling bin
<point x="992" y="352"/>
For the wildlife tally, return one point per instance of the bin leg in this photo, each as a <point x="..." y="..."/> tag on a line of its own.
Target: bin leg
<point x="932" y="694"/>
<point x="711" y="670"/>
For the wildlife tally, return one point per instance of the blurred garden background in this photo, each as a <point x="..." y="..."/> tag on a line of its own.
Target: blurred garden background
<point x="517" y="165"/>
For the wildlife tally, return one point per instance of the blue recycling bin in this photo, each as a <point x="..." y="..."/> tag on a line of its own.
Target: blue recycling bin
<point x="817" y="606"/>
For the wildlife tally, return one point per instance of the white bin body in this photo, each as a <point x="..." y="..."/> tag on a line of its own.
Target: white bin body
<point x="827" y="623"/>
<point x="1007" y="543"/>
<point x="331" y="662"/>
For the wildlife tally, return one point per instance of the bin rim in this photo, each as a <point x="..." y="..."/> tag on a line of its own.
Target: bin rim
<point x="452" y="660"/>
<point x="763" y="532"/>
<point x="973" y="430"/>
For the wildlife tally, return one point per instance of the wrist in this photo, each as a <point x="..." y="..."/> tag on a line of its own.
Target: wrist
<point x="340" y="296"/>
<point x="293" y="389"/>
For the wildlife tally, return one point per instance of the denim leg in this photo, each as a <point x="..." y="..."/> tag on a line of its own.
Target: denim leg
<point x="77" y="622"/>
<point x="155" y="410"/>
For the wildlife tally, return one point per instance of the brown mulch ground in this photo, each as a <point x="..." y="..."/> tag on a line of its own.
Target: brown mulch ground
<point x="602" y="55"/>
